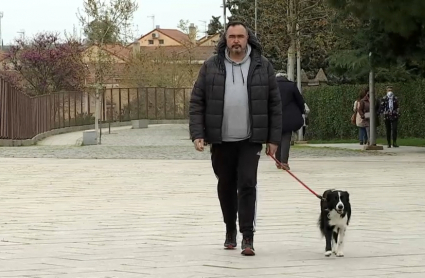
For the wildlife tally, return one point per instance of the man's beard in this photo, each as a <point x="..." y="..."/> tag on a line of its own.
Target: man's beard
<point x="237" y="49"/>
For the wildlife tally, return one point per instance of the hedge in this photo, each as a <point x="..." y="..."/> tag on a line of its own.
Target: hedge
<point x="331" y="108"/>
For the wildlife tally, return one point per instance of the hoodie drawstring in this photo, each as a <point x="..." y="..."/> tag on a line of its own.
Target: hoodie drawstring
<point x="233" y="74"/>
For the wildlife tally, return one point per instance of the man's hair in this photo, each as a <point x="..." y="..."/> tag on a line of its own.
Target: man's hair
<point x="235" y="23"/>
<point x="281" y="73"/>
<point x="222" y="43"/>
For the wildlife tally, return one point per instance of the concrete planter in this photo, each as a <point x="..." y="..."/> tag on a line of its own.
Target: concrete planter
<point x="136" y="124"/>
<point x="89" y="137"/>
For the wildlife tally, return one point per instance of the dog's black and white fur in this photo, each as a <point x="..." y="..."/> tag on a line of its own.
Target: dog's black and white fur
<point x="334" y="219"/>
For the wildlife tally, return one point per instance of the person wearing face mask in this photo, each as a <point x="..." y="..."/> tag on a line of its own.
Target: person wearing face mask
<point x="391" y="111"/>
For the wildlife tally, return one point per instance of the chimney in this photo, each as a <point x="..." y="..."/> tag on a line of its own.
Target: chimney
<point x="192" y="33"/>
<point x="157" y="27"/>
<point x="136" y="47"/>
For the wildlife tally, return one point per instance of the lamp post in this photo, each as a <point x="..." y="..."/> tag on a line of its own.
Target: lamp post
<point x="224" y="14"/>
<point x="372" y="139"/>
<point x="1" y="39"/>
<point x="372" y="109"/>
<point x="255" y="8"/>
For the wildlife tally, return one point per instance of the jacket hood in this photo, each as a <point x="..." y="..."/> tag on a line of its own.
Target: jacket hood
<point x="221" y="48"/>
<point x="252" y="41"/>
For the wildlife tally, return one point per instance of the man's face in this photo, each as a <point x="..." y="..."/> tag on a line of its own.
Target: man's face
<point x="237" y="39"/>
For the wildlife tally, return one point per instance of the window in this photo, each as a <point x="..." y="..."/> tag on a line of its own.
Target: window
<point x="150" y="41"/>
<point x="161" y="41"/>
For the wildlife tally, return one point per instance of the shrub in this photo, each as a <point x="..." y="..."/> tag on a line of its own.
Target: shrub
<point x="332" y="106"/>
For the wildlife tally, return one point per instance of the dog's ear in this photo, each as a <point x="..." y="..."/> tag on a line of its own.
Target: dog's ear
<point x="326" y="194"/>
<point x="346" y="195"/>
<point x="329" y="196"/>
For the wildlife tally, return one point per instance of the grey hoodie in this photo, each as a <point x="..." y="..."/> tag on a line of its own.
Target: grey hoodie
<point x="236" y="120"/>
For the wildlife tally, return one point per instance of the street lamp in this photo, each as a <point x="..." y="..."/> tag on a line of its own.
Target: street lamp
<point x="372" y="109"/>
<point x="1" y="39"/>
<point x="255" y="8"/>
<point x="224" y="14"/>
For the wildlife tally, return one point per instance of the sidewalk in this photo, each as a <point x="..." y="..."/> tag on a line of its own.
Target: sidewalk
<point x="72" y="138"/>
<point x="401" y="149"/>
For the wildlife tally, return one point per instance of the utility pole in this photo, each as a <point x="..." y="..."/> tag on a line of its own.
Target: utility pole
<point x="300" y="131"/>
<point x="1" y="39"/>
<point x="373" y="115"/>
<point x="205" y="27"/>
<point x="372" y="110"/>
<point x="255" y="8"/>
<point x="224" y="14"/>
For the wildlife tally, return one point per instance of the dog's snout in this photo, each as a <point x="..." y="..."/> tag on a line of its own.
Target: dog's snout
<point x="340" y="206"/>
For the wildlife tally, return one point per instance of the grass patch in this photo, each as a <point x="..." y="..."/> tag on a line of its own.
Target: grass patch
<point x="413" y="142"/>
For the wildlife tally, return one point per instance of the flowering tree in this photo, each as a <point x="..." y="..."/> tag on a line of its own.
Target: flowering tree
<point x="47" y="64"/>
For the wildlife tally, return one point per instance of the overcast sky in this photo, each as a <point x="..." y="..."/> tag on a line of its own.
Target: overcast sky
<point x="33" y="16"/>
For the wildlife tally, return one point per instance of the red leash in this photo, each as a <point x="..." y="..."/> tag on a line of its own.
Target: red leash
<point x="289" y="172"/>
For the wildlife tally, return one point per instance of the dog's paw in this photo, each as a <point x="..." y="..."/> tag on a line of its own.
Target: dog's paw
<point x="339" y="254"/>
<point x="328" y="253"/>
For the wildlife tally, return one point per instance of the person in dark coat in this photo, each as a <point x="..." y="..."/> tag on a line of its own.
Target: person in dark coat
<point x="390" y="108"/>
<point x="293" y="109"/>
<point x="235" y="107"/>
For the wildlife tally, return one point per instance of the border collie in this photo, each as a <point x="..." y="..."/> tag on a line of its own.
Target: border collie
<point x="333" y="221"/>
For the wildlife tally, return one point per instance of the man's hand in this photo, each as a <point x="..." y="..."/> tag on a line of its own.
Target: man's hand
<point x="271" y="149"/>
<point x="199" y="145"/>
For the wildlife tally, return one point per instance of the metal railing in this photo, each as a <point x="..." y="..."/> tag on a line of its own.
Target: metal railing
<point x="23" y="117"/>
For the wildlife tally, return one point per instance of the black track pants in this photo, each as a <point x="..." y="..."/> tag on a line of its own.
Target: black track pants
<point x="235" y="164"/>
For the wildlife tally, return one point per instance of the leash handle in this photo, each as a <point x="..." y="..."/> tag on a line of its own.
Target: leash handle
<point x="289" y="172"/>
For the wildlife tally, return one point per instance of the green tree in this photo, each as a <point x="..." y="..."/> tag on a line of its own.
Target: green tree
<point x="102" y="28"/>
<point x="399" y="17"/>
<point x="391" y="31"/>
<point x="215" y="26"/>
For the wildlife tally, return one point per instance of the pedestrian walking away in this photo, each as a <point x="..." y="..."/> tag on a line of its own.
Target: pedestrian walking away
<point x="235" y="108"/>
<point x="293" y="108"/>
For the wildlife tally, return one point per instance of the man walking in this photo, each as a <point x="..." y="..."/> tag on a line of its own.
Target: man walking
<point x="235" y="107"/>
<point x="391" y="110"/>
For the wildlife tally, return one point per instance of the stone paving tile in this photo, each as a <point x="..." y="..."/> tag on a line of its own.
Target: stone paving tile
<point x="161" y="218"/>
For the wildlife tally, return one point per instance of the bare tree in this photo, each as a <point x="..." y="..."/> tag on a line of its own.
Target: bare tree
<point x="115" y="17"/>
<point x="299" y="14"/>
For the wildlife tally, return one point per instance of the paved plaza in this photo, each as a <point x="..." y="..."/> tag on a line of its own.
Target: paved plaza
<point x="144" y="204"/>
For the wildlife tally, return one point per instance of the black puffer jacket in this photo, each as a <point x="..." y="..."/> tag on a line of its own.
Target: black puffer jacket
<point x="292" y="105"/>
<point x="207" y="99"/>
